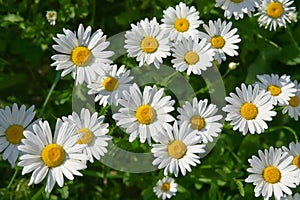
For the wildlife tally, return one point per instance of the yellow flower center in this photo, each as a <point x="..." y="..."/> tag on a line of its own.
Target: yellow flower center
<point x="14" y="134"/>
<point x="294" y="101"/>
<point x="145" y="114"/>
<point x="53" y="155"/>
<point x="274" y="89"/>
<point x="149" y="44"/>
<point x="165" y="187"/>
<point x="191" y="58"/>
<point x="176" y="149"/>
<point x="296" y="161"/>
<point x="249" y="111"/>
<point x="271" y="174"/>
<point x="81" y="56"/>
<point x="181" y="24"/>
<point x="197" y="122"/>
<point x="217" y="42"/>
<point x="110" y="84"/>
<point x="237" y="1"/>
<point x="87" y="136"/>
<point x="275" y="10"/>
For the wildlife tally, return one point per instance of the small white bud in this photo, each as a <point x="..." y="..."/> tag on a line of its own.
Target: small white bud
<point x="51" y="16"/>
<point x="233" y="65"/>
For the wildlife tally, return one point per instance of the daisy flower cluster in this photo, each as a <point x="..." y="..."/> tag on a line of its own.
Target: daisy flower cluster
<point x="252" y="106"/>
<point x="178" y="137"/>
<point x="272" y="13"/>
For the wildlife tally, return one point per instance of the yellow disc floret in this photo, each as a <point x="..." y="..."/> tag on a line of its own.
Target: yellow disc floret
<point x="165" y="186"/>
<point x="191" y="58"/>
<point x="275" y="10"/>
<point x="110" y="84"/>
<point x="149" y="44"/>
<point x="53" y="155"/>
<point x="294" y="101"/>
<point x="249" y="111"/>
<point x="145" y="114"/>
<point x="217" y="42"/>
<point x="274" y="89"/>
<point x="197" y="122"/>
<point x="296" y="161"/>
<point x="87" y="136"/>
<point x="181" y="25"/>
<point x="271" y="174"/>
<point x="177" y="149"/>
<point x="237" y="1"/>
<point x="81" y="56"/>
<point x="14" y="134"/>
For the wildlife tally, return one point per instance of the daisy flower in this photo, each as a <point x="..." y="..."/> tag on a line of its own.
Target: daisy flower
<point x="13" y="121"/>
<point x="82" y="54"/>
<point x="146" y="114"/>
<point x="294" y="150"/>
<point x="108" y="86"/>
<point x="281" y="89"/>
<point x="192" y="56"/>
<point x="272" y="173"/>
<point x="181" y="22"/>
<point x="52" y="157"/>
<point x="237" y="8"/>
<point x="293" y="106"/>
<point x="222" y="38"/>
<point x="165" y="188"/>
<point x="202" y="118"/>
<point x="148" y="42"/>
<point x="291" y="197"/>
<point x="275" y="13"/>
<point x="178" y="149"/>
<point x="93" y="132"/>
<point x="249" y="109"/>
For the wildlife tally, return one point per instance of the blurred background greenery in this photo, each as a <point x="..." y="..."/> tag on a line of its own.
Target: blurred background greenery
<point x="26" y="77"/>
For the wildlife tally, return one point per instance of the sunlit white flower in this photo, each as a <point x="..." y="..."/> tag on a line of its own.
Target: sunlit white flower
<point x="281" y="89"/>
<point x="272" y="173"/>
<point x="81" y="54"/>
<point x="275" y="13"/>
<point x="93" y="132"/>
<point x="192" y="56"/>
<point x="294" y="150"/>
<point x="249" y="109"/>
<point x="13" y="121"/>
<point x="165" y="188"/>
<point x="202" y="118"/>
<point x="147" y="42"/>
<point x="52" y="156"/>
<point x="293" y="106"/>
<point x="237" y="8"/>
<point x="177" y="150"/>
<point x="222" y="38"/>
<point x="181" y="22"/>
<point x="146" y="114"/>
<point x="51" y="16"/>
<point x="108" y="86"/>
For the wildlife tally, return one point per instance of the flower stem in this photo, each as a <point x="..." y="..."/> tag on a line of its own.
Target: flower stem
<point x="57" y="77"/>
<point x="291" y="131"/>
<point x="13" y="178"/>
<point x="292" y="38"/>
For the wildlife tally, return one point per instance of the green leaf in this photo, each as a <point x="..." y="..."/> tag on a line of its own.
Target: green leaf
<point x="240" y="187"/>
<point x="13" y="18"/>
<point x="213" y="191"/>
<point x="289" y="55"/>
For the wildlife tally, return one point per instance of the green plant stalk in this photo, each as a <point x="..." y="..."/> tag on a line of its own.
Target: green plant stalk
<point x="292" y="38"/>
<point x="12" y="178"/>
<point x="57" y="77"/>
<point x="291" y="131"/>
